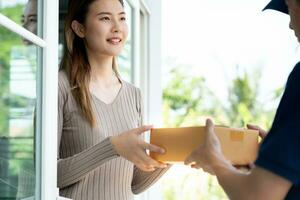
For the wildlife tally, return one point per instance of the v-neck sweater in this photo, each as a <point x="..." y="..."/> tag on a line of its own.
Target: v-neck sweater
<point x="89" y="168"/>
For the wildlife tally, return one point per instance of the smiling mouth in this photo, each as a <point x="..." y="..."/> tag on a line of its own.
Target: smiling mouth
<point x="114" y="41"/>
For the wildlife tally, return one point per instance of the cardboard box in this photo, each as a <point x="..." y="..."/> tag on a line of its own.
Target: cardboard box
<point x="240" y="146"/>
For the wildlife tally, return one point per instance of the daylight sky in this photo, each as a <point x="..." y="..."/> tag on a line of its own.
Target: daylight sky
<point x="215" y="36"/>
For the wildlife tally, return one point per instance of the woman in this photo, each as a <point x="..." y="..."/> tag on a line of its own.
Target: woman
<point x="101" y="155"/>
<point x="29" y="18"/>
<point x="277" y="171"/>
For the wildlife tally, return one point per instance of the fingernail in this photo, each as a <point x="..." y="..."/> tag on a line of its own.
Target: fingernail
<point x="162" y="151"/>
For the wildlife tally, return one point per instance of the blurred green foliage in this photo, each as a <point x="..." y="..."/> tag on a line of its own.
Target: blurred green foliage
<point x="188" y="101"/>
<point x="16" y="150"/>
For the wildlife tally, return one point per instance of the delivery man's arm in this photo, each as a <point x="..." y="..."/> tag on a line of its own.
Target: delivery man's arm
<point x="259" y="184"/>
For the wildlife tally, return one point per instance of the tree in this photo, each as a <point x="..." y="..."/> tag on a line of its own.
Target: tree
<point x="188" y="101"/>
<point x="14" y="152"/>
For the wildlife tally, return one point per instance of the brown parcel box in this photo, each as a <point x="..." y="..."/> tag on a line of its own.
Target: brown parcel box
<point x="240" y="146"/>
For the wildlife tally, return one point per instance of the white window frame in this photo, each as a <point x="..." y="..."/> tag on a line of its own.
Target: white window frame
<point x="48" y="13"/>
<point x="147" y="67"/>
<point x="144" y="15"/>
<point x="151" y="75"/>
<point x="134" y="4"/>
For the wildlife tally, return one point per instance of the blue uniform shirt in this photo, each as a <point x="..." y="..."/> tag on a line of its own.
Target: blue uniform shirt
<point x="280" y="151"/>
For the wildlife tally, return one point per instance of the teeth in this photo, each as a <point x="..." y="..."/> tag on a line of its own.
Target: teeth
<point x="115" y="40"/>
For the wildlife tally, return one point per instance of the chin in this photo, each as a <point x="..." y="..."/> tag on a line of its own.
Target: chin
<point x="27" y="42"/>
<point x="114" y="53"/>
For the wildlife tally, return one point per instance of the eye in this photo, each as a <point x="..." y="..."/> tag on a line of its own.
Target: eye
<point x="104" y="18"/>
<point x="32" y="20"/>
<point x="123" y="18"/>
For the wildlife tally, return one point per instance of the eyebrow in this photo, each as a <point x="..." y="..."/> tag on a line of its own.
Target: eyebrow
<point x="108" y="13"/>
<point x="32" y="15"/>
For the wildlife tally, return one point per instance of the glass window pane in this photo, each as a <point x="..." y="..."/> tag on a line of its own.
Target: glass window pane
<point x="23" y="12"/>
<point x="18" y="95"/>
<point x="126" y="58"/>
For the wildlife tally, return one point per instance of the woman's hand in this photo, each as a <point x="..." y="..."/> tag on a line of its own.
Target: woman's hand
<point x="130" y="146"/>
<point x="262" y="132"/>
<point x="209" y="154"/>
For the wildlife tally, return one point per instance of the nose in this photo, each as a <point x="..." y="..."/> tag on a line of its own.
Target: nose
<point x="25" y="24"/>
<point x="116" y="27"/>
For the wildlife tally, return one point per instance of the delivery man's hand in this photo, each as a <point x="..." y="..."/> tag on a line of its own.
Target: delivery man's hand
<point x="208" y="155"/>
<point x="262" y="135"/>
<point x="262" y="132"/>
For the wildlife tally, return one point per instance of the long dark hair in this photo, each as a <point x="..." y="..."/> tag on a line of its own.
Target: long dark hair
<point x="75" y="61"/>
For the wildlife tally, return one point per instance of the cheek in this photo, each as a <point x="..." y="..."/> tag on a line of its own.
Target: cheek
<point x="33" y="28"/>
<point x="125" y="32"/>
<point x="96" y="33"/>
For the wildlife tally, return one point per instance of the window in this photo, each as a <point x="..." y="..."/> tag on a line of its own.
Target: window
<point x="126" y="58"/>
<point x="28" y="87"/>
<point x="144" y="54"/>
<point x="19" y="72"/>
<point x="18" y="102"/>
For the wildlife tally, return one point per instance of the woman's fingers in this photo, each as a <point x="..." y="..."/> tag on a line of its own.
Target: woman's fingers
<point x="130" y="146"/>
<point x="153" y="148"/>
<point x="149" y="162"/>
<point x="142" y="129"/>
<point x="145" y="168"/>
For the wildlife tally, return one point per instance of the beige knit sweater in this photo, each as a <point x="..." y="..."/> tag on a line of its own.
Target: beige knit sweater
<point x="88" y="166"/>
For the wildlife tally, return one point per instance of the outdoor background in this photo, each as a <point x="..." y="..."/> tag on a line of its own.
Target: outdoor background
<point x="221" y="59"/>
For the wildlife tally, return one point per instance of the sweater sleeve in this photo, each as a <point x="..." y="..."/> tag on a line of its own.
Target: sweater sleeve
<point x="143" y="180"/>
<point x="72" y="169"/>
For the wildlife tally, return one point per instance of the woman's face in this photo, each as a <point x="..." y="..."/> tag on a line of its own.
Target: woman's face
<point x="105" y="29"/>
<point x="29" y="18"/>
<point x="294" y="12"/>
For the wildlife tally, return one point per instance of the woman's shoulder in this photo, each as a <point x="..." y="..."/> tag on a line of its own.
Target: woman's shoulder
<point x="132" y="89"/>
<point x="63" y="81"/>
<point x="62" y="76"/>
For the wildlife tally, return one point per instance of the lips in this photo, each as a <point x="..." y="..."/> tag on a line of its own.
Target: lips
<point x="114" y="40"/>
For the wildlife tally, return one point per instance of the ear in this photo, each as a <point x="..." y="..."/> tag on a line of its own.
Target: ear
<point x="78" y="28"/>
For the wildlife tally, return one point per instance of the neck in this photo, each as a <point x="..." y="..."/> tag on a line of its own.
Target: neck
<point x="101" y="69"/>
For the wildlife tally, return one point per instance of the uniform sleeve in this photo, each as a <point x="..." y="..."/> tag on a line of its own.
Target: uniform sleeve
<point x="280" y="151"/>
<point x="143" y="180"/>
<point x="74" y="168"/>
